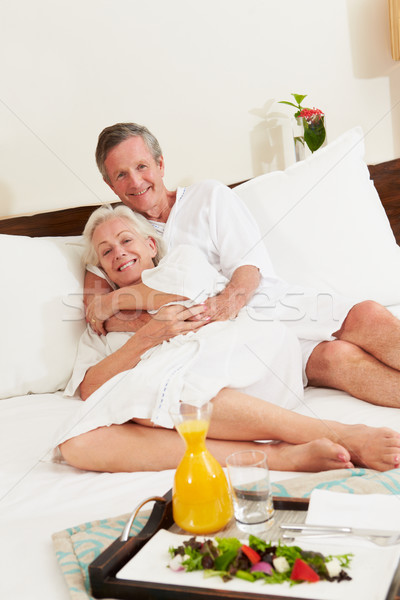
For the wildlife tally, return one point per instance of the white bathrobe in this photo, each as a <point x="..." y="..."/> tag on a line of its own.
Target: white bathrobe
<point x="256" y="356"/>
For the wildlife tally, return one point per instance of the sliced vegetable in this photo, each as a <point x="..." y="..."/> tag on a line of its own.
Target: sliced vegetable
<point x="303" y="572"/>
<point x="251" y="554"/>
<point x="262" y="567"/>
<point x="244" y="575"/>
<point x="175" y="564"/>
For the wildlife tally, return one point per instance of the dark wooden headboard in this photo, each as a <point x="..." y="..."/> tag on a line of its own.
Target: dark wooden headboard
<point x="386" y="177"/>
<point x="71" y="221"/>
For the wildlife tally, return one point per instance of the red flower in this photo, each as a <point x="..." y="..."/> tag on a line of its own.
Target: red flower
<point x="312" y="115"/>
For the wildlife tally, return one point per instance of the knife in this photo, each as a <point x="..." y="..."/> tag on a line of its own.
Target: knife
<point x="305" y="529"/>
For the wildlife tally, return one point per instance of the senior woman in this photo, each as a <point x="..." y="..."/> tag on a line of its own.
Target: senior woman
<point x="130" y="381"/>
<point x="356" y="350"/>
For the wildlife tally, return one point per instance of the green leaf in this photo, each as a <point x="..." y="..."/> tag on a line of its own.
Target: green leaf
<point x="314" y="134"/>
<point x="299" y="98"/>
<point x="225" y="544"/>
<point x="289" y="552"/>
<point x="211" y="573"/>
<point x="289" y="103"/>
<point x="257" y="543"/>
<point x="193" y="560"/>
<point x="222" y="562"/>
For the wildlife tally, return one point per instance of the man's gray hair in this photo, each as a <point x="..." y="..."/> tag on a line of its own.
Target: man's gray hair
<point x="138" y="223"/>
<point x="115" y="134"/>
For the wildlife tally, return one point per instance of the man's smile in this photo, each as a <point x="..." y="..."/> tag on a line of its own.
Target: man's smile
<point x="142" y="192"/>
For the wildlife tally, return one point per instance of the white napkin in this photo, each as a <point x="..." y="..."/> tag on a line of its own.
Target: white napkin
<point x="372" y="511"/>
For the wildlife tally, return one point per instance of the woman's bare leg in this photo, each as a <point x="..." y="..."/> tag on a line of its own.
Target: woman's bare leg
<point x="133" y="447"/>
<point x="238" y="420"/>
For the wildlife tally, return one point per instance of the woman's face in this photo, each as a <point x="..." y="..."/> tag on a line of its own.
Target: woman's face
<point x="122" y="252"/>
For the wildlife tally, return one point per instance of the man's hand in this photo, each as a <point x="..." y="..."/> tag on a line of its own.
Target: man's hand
<point x="222" y="307"/>
<point x="174" y="320"/>
<point x="237" y="294"/>
<point x="127" y="320"/>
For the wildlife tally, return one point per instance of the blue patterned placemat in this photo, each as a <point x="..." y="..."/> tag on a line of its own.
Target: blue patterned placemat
<point x="350" y="481"/>
<point x="77" y="547"/>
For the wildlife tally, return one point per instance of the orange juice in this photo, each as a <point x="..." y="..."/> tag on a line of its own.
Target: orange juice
<point x="201" y="499"/>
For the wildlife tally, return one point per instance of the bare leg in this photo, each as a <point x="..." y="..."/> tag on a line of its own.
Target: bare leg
<point x="133" y="447"/>
<point x="373" y="328"/>
<point x="241" y="417"/>
<point x="237" y="420"/>
<point x="344" y="366"/>
<point x="364" y="360"/>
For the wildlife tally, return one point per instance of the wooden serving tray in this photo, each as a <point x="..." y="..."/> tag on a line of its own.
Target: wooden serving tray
<point x="102" y="571"/>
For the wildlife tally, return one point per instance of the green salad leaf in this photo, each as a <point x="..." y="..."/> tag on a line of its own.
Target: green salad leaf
<point x="228" y="558"/>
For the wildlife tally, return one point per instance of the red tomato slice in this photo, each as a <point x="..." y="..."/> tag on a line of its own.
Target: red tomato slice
<point x="303" y="572"/>
<point x="251" y="554"/>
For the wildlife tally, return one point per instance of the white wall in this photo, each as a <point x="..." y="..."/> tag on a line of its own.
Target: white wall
<point x="204" y="76"/>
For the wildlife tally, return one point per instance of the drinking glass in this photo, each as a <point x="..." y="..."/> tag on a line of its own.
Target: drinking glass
<point x="251" y="490"/>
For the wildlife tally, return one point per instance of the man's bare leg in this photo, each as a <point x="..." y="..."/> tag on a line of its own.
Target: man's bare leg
<point x="373" y="328"/>
<point x="344" y="366"/>
<point x="364" y="361"/>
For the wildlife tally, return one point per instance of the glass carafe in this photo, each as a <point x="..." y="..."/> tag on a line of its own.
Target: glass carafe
<point x="201" y="500"/>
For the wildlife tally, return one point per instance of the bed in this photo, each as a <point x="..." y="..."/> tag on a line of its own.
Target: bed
<point x="324" y="224"/>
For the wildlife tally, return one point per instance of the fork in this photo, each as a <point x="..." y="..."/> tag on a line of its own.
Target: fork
<point x="379" y="537"/>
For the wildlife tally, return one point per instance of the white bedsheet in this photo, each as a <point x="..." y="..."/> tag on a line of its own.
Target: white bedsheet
<point x="38" y="498"/>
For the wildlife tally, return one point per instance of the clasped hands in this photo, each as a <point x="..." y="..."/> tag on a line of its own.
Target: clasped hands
<point x="217" y="308"/>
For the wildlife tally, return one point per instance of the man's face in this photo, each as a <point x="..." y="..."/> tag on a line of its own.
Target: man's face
<point x="135" y="176"/>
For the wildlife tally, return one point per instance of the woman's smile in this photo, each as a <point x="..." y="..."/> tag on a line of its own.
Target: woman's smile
<point x="127" y="264"/>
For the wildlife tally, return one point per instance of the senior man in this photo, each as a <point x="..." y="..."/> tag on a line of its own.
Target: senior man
<point x="362" y="357"/>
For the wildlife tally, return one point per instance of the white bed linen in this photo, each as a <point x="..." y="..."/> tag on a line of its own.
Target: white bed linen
<point x="38" y="498"/>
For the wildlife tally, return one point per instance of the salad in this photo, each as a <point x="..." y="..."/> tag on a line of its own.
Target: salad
<point x="229" y="558"/>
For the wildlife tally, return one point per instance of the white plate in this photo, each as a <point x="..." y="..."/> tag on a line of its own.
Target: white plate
<point x="372" y="570"/>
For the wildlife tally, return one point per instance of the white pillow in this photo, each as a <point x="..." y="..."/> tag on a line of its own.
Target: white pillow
<point x="324" y="225"/>
<point x="41" y="310"/>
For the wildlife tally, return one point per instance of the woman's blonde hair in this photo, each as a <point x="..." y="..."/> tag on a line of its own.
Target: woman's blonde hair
<point x="106" y="213"/>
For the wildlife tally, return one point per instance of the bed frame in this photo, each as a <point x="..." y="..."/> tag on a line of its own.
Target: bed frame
<point x="71" y="221"/>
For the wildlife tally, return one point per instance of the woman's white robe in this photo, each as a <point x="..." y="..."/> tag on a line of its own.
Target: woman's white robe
<point x="255" y="356"/>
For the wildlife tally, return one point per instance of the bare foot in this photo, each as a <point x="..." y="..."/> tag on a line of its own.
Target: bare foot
<point x="317" y="455"/>
<point x="372" y="447"/>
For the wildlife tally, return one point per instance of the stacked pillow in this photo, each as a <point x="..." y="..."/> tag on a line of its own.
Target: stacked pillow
<point x="324" y="225"/>
<point x="42" y="312"/>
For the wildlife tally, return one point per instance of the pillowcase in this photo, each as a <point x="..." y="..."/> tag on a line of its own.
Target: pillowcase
<point x="42" y="312"/>
<point x="324" y="225"/>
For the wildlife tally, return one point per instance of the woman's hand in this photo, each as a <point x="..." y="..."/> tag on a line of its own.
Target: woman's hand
<point x="99" y="310"/>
